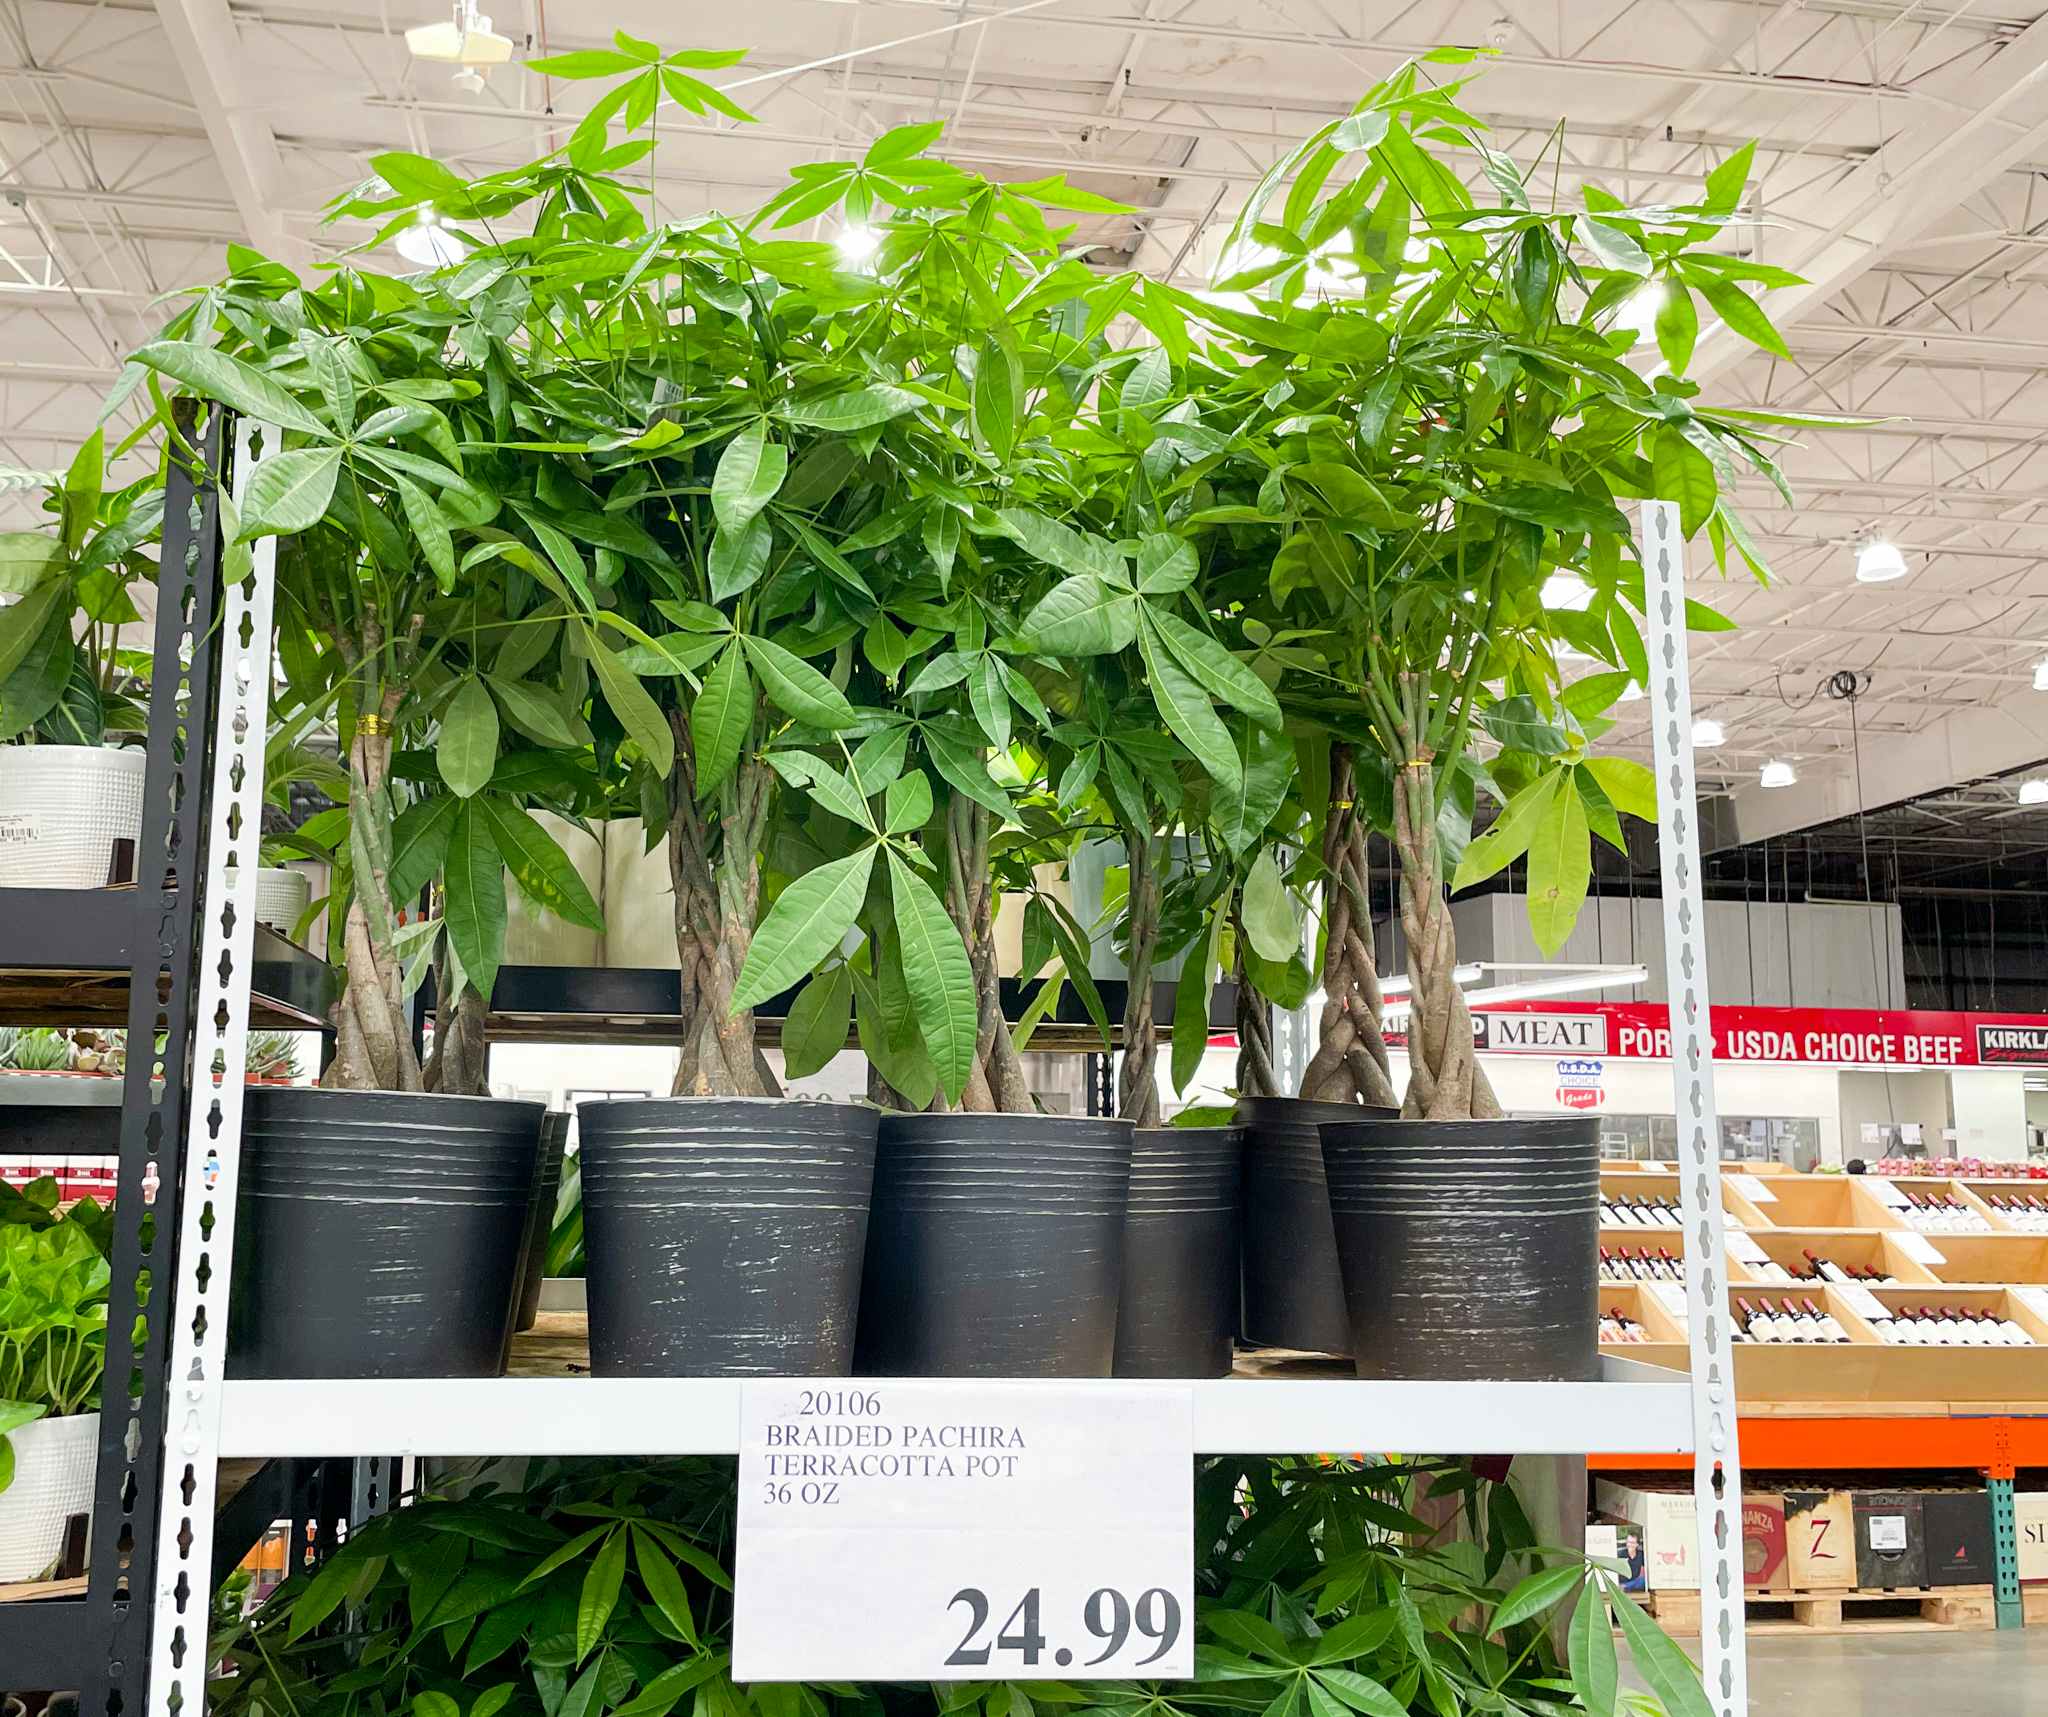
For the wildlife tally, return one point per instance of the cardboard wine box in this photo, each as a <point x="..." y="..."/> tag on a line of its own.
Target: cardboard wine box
<point x="1820" y="1540"/>
<point x="1955" y="1527"/>
<point x="2030" y="1518"/>
<point x="1669" y="1545"/>
<point x="1891" y="1547"/>
<point x="1764" y="1566"/>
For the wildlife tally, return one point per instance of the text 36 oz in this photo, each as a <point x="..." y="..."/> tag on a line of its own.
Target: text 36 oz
<point x="1109" y="1615"/>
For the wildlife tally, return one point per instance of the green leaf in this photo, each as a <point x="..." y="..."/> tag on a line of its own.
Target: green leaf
<point x="1216" y="669"/>
<point x="1537" y="1593"/>
<point x="1614" y="247"/>
<point x="1519" y="724"/>
<point x="1742" y="313"/>
<point x="1684" y="474"/>
<point x="721" y="719"/>
<point x="1628" y="784"/>
<point x="1148" y="381"/>
<point x="1678" y="325"/>
<point x="1724" y="184"/>
<point x="1191" y="1002"/>
<point x="998" y="399"/>
<point x="434" y="1705"/>
<point x="749" y="473"/>
<point x="36" y="685"/>
<point x="1357" y="132"/>
<point x="585" y="63"/>
<point x="960" y="756"/>
<point x="1267" y="911"/>
<point x="1560" y="865"/>
<point x="546" y="874"/>
<point x="638" y="713"/>
<point x="1659" y="1662"/>
<point x="83" y="484"/>
<point x="26" y="559"/>
<point x="738" y="558"/>
<point x="900" y="143"/>
<point x="216" y="375"/>
<point x="1080" y="616"/>
<point x="23" y="623"/>
<point x="938" y="975"/>
<point x="797" y="687"/>
<point x="907" y="804"/>
<point x="1190" y="717"/>
<point x="809" y="919"/>
<point x="1360" y="1692"/>
<point x="467" y="751"/>
<point x="429" y="529"/>
<point x="1058" y="545"/>
<point x="419" y="845"/>
<point x="858" y="408"/>
<point x="533" y="712"/>
<point x="1166" y="563"/>
<point x="1589" y="1649"/>
<point x="474" y="884"/>
<point x="600" y="1592"/>
<point x="289" y="492"/>
<point x="819" y="1021"/>
<point x="1596" y="693"/>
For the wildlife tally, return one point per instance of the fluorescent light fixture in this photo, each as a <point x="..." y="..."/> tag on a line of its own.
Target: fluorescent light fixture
<point x="1394" y="988"/>
<point x="429" y="243"/>
<point x="1778" y="773"/>
<point x="2034" y="792"/>
<point x="2041" y="675"/>
<point x="1568" y="981"/>
<point x="1707" y="732"/>
<point x="1879" y="562"/>
<point x="857" y="246"/>
<point x="1567" y="590"/>
<point x="466" y="39"/>
<point x="1638" y="314"/>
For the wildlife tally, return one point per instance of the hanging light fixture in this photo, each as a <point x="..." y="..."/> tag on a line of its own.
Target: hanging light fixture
<point x="1778" y="773"/>
<point x="2034" y="792"/>
<point x="430" y="244"/>
<point x="1707" y="733"/>
<point x="1878" y="562"/>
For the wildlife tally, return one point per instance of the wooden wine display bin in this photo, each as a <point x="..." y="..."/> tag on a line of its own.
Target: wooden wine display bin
<point x="1813" y="1201"/>
<point x="2019" y="1259"/>
<point x="1641" y="1304"/>
<point x="1878" y="1250"/>
<point x="1982" y="1192"/>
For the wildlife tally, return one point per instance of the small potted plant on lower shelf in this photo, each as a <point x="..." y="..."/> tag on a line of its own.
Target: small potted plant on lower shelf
<point x="53" y="1338"/>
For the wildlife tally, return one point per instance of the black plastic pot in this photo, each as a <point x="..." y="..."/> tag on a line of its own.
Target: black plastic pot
<point x="1469" y="1247"/>
<point x="1177" y="1314"/>
<point x="377" y="1233"/>
<point x="724" y="1234"/>
<point x="1293" y="1287"/>
<point x="996" y="1246"/>
<point x="540" y="1217"/>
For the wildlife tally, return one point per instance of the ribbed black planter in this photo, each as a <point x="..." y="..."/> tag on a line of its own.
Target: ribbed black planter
<point x="1468" y="1247"/>
<point x="1177" y="1315"/>
<point x="724" y="1234"/>
<point x="540" y="1217"/>
<point x="1293" y="1287"/>
<point x="377" y="1233"/>
<point x="996" y="1246"/>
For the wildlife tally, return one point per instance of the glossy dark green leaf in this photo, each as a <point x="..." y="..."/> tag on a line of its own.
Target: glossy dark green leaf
<point x="474" y="895"/>
<point x="938" y="976"/>
<point x="809" y="919"/>
<point x="467" y="751"/>
<point x="820" y="1020"/>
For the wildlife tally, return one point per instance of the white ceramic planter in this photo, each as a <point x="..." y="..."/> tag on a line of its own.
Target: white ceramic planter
<point x="282" y="896"/>
<point x="62" y="808"/>
<point x="537" y="937"/>
<point x="53" y="1474"/>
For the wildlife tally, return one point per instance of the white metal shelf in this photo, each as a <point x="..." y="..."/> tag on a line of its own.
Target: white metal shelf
<point x="1638" y="1409"/>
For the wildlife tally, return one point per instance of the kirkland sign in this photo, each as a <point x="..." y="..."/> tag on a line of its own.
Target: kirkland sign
<point x="1641" y="1031"/>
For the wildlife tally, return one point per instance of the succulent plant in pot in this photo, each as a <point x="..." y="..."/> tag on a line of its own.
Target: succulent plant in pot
<point x="69" y="789"/>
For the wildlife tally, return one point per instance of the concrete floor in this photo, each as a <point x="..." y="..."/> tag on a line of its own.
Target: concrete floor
<point x="1899" y="1674"/>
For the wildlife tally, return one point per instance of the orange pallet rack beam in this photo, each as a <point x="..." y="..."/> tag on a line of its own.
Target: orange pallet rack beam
<point x="1993" y="1443"/>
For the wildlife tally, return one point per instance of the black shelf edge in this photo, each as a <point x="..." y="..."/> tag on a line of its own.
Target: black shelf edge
<point x="45" y="1645"/>
<point x="69" y="929"/>
<point x="582" y="1004"/>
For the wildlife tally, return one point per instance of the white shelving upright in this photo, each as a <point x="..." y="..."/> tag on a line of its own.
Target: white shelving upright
<point x="1633" y="1408"/>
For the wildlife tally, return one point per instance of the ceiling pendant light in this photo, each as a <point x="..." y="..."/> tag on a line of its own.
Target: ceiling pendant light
<point x="466" y="42"/>
<point x="1707" y="733"/>
<point x="430" y="244"/>
<point x="1878" y="562"/>
<point x="2034" y="792"/>
<point x="1778" y="773"/>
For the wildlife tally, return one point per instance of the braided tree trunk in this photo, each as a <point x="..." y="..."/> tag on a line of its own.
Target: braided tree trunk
<point x="1445" y="1080"/>
<point x="1256" y="1075"/>
<point x="997" y="1082"/>
<point x="459" y="1065"/>
<point x="1138" y="1077"/>
<point x="714" y="862"/>
<point x="373" y="1048"/>
<point x="1350" y="1064"/>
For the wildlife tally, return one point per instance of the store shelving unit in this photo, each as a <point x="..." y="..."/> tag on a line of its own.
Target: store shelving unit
<point x="190" y="964"/>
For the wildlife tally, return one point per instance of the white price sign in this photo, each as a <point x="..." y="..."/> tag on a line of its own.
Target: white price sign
<point x="1746" y="1251"/>
<point x="961" y="1531"/>
<point x="1918" y="1248"/>
<point x="1863" y="1302"/>
<point x="1671" y="1296"/>
<point x="1753" y="1189"/>
<point x="2034" y="1299"/>
<point x="1885" y="1192"/>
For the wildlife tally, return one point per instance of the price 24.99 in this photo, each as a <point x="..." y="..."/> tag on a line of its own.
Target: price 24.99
<point x="1109" y="1615"/>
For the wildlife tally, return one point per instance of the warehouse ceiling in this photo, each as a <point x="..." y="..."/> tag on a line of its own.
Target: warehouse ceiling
<point x="1901" y="162"/>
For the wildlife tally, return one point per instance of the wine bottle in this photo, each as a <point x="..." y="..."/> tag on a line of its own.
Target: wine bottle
<point x="1825" y="1322"/>
<point x="1757" y="1325"/>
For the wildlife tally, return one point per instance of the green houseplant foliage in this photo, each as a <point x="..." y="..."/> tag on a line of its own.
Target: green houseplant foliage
<point x="54" y="1277"/>
<point x="1441" y="440"/>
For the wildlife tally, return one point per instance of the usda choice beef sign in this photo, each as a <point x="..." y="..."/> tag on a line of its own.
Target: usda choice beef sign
<point x="2013" y="1045"/>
